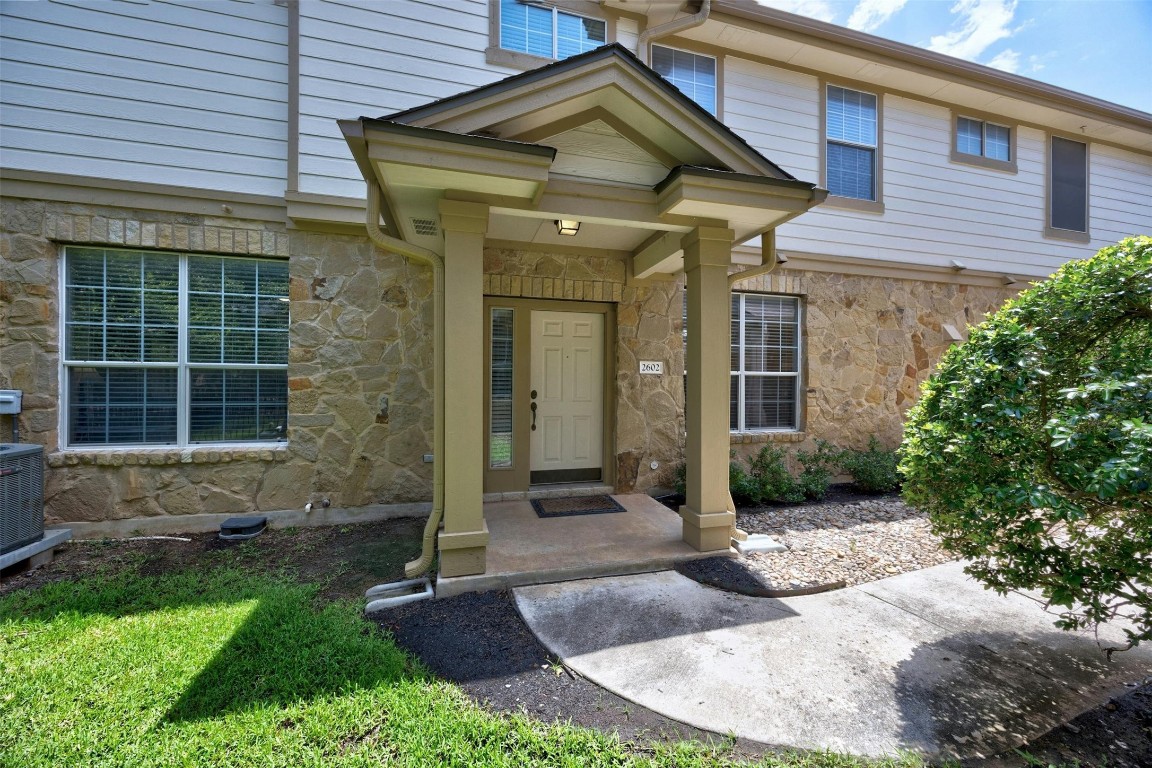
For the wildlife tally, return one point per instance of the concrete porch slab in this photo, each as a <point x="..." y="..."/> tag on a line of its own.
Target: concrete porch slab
<point x="525" y="549"/>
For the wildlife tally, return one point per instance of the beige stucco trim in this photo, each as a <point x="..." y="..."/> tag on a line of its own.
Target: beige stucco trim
<point x="85" y="190"/>
<point x="1057" y="233"/>
<point x="311" y="211"/>
<point x="803" y="261"/>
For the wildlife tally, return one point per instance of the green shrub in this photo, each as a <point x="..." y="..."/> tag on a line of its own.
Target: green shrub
<point x="873" y="469"/>
<point x="766" y="480"/>
<point x="680" y="479"/>
<point x="1031" y="446"/>
<point x="818" y="469"/>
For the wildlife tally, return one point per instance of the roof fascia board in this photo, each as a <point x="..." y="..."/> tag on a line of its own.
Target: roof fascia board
<point x="879" y="50"/>
<point x="607" y="66"/>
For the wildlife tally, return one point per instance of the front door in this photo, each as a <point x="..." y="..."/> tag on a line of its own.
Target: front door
<point x="547" y="392"/>
<point x="567" y="397"/>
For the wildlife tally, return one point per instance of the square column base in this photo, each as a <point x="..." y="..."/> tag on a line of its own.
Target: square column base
<point x="708" y="532"/>
<point x="463" y="554"/>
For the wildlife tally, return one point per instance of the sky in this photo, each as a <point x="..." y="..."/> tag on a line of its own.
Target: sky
<point x="1101" y="48"/>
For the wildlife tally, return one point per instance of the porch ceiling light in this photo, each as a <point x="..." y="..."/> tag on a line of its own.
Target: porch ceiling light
<point x="568" y="227"/>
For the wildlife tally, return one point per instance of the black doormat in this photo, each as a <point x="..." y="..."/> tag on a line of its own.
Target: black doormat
<point x="576" y="505"/>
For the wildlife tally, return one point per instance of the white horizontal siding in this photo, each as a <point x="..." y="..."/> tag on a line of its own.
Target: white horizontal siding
<point x="1120" y="202"/>
<point x="628" y="33"/>
<point x="776" y="111"/>
<point x="936" y="210"/>
<point x="372" y="59"/>
<point x="188" y="94"/>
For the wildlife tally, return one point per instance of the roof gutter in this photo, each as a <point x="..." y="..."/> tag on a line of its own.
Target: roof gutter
<point x="671" y="28"/>
<point x="1006" y="83"/>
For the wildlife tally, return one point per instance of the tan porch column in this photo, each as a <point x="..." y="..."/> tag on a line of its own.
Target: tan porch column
<point x="465" y="536"/>
<point x="707" y="521"/>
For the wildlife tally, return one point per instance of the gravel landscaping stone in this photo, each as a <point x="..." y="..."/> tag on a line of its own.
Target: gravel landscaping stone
<point x="854" y="542"/>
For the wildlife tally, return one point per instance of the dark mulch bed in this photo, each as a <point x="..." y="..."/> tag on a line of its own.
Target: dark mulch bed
<point x="479" y="642"/>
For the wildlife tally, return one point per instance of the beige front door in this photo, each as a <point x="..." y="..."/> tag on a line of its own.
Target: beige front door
<point x="567" y="396"/>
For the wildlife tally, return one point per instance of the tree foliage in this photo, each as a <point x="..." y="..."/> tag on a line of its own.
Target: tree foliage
<point x="1031" y="446"/>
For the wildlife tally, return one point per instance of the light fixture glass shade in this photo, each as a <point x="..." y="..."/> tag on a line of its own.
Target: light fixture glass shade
<point x="567" y="227"/>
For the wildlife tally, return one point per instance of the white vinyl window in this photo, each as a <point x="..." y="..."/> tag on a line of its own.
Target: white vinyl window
<point x="976" y="137"/>
<point x="540" y="30"/>
<point x="765" y="391"/>
<point x="174" y="349"/>
<point x="851" y="130"/>
<point x="693" y="74"/>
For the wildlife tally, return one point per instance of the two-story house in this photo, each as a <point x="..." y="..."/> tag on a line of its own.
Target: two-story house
<point x="257" y="254"/>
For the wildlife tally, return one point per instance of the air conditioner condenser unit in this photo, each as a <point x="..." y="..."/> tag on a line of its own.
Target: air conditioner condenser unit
<point x="21" y="495"/>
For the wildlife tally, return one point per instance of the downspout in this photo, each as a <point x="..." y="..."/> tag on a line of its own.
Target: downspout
<point x="431" y="259"/>
<point x="671" y="28"/>
<point x="734" y="278"/>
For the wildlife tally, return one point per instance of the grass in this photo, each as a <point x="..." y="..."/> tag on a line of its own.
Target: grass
<point x="227" y="666"/>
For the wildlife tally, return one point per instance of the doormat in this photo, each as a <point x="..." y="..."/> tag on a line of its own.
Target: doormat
<point x="576" y="505"/>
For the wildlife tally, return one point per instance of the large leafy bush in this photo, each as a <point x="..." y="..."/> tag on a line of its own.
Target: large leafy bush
<point x="1031" y="446"/>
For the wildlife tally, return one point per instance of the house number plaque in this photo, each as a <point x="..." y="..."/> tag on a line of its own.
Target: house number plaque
<point x="655" y="367"/>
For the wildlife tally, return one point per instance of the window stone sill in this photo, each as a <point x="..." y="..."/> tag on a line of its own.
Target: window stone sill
<point x="145" y="457"/>
<point x="742" y="438"/>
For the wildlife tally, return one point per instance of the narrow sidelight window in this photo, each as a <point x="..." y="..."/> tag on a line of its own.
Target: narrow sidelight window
<point x="1068" y="190"/>
<point x="500" y="416"/>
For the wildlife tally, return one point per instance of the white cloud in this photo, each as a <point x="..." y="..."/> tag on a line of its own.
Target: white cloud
<point x="1007" y="60"/>
<point x="821" y="10"/>
<point x="981" y="23"/>
<point x="870" y="14"/>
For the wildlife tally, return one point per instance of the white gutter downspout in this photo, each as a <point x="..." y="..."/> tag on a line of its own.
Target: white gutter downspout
<point x="671" y="28"/>
<point x="432" y="259"/>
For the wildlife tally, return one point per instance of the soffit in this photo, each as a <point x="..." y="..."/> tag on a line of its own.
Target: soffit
<point x="951" y="81"/>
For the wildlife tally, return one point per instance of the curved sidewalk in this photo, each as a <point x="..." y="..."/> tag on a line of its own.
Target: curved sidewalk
<point x="927" y="661"/>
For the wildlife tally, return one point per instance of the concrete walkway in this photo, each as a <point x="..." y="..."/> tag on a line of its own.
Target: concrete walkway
<point x="926" y="661"/>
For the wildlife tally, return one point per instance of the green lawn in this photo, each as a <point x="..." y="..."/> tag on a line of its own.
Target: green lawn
<point x="230" y="667"/>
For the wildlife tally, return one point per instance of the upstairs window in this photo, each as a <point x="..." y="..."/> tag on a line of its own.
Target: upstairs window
<point x="1068" y="185"/>
<point x="976" y="137"/>
<point x="174" y="349"/>
<point x="851" y="131"/>
<point x="693" y="74"/>
<point x="550" y="33"/>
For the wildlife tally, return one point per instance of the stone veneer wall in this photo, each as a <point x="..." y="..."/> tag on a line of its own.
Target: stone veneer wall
<point x="649" y="409"/>
<point x="359" y="371"/>
<point x="869" y="343"/>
